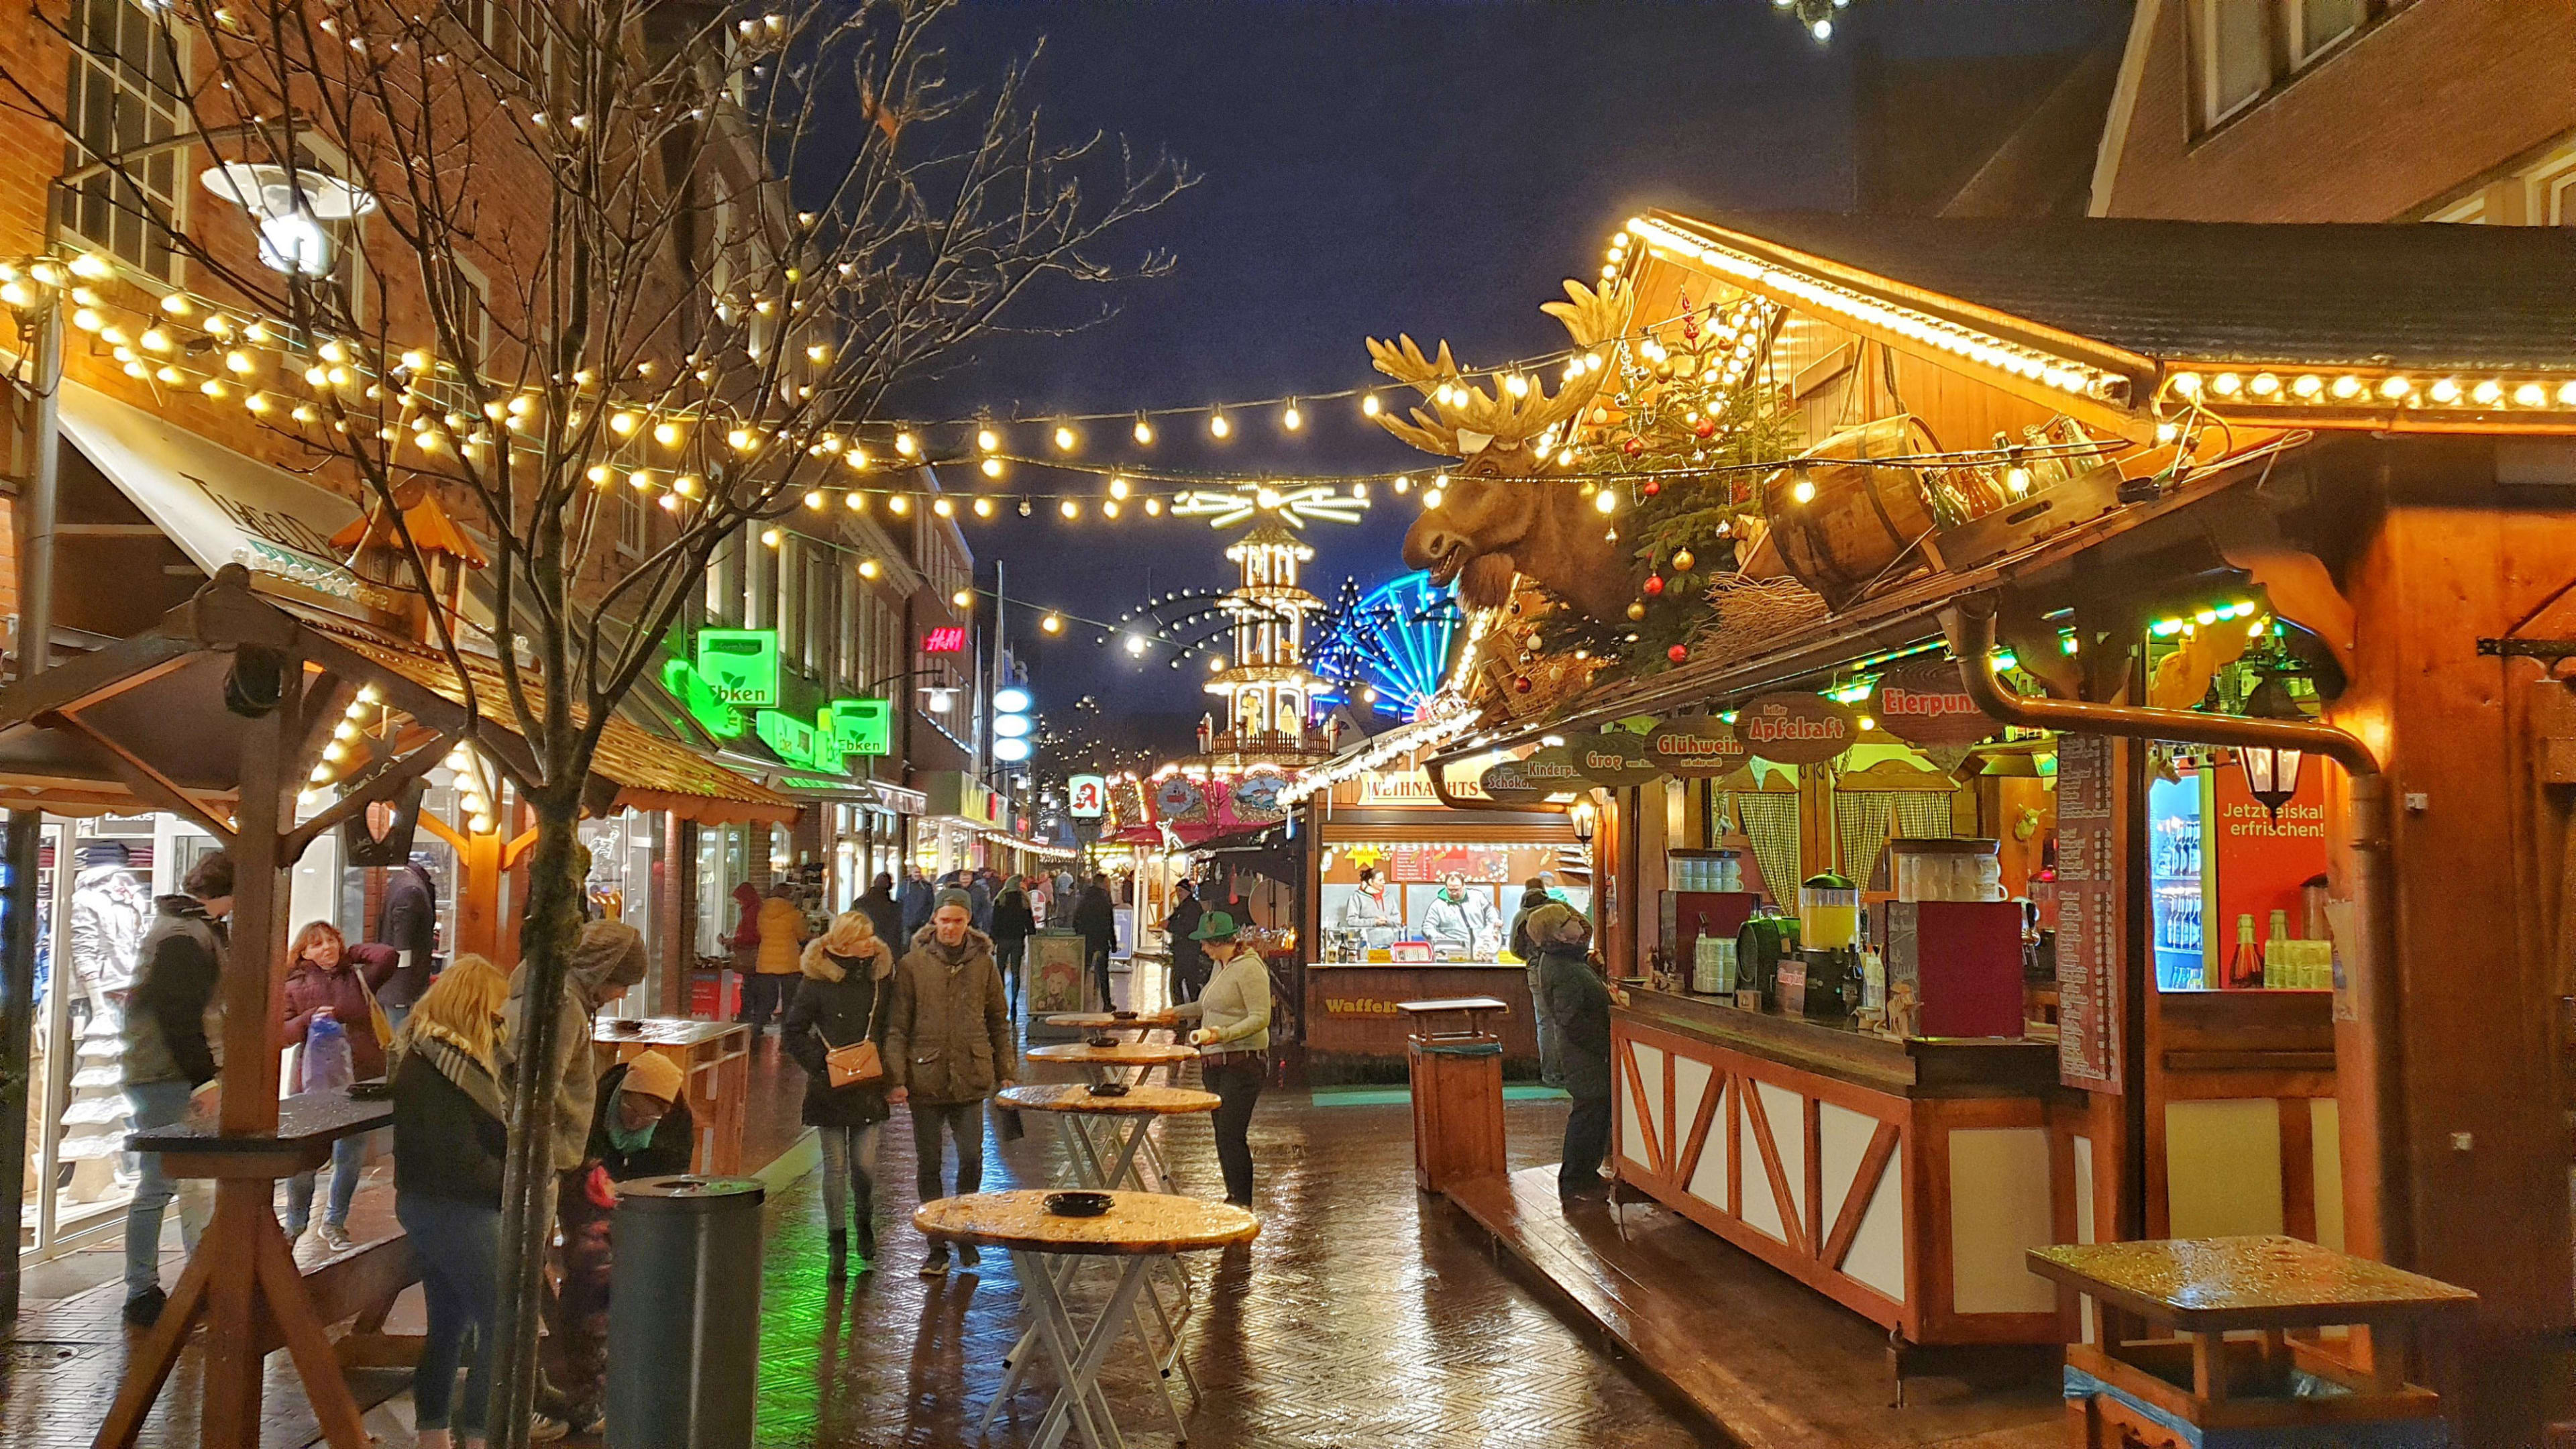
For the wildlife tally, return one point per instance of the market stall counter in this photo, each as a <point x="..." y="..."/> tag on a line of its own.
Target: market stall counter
<point x="1355" y="1030"/>
<point x="1904" y="1179"/>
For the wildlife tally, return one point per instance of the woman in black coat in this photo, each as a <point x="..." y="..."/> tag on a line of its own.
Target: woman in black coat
<point x="848" y="977"/>
<point x="1574" y="1006"/>
<point x="1013" y="922"/>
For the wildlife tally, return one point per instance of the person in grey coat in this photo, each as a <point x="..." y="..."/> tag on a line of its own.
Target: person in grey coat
<point x="1576" y="1007"/>
<point x="948" y="1047"/>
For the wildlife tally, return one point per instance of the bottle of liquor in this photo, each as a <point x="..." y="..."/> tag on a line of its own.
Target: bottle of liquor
<point x="2245" y="969"/>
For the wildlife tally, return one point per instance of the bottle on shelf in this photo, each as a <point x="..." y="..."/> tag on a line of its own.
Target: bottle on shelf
<point x="2276" y="965"/>
<point x="2245" y="968"/>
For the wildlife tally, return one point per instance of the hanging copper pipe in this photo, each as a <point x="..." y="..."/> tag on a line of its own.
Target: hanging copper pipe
<point x="2380" y="1227"/>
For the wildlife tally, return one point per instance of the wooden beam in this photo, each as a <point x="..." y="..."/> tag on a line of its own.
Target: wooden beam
<point x="384" y="786"/>
<point x="423" y="703"/>
<point x="147" y="782"/>
<point x="88" y="678"/>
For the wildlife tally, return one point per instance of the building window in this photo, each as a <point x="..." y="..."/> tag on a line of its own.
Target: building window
<point x="123" y="95"/>
<point x="2320" y="23"/>
<point x="2236" y="54"/>
<point x="724" y="583"/>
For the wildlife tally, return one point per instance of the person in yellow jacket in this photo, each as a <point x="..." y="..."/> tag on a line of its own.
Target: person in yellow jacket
<point x="782" y="942"/>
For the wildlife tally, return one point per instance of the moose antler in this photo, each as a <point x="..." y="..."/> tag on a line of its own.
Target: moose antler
<point x="1466" y="419"/>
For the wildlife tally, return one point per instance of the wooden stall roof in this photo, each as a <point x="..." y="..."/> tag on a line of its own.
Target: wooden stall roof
<point x="2402" y="294"/>
<point x="76" y="739"/>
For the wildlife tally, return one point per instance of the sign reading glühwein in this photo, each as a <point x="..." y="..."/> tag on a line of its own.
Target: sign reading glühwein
<point x="1697" y="748"/>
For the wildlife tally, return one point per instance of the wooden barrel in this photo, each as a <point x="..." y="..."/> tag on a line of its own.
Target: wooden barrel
<point x="1857" y="520"/>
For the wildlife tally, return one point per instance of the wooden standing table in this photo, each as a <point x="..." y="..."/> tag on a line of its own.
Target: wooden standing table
<point x="1102" y="1062"/>
<point x="1139" y="1228"/>
<point x="714" y="1058"/>
<point x="2245" y="1390"/>
<point x="1112" y="1021"/>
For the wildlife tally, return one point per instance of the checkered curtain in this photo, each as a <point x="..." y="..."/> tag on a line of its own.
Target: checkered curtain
<point x="1860" y="828"/>
<point x="1922" y="815"/>
<point x="1771" y="823"/>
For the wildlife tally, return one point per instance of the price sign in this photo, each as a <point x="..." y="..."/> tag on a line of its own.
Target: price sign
<point x="2089" y="991"/>
<point x="1086" y="797"/>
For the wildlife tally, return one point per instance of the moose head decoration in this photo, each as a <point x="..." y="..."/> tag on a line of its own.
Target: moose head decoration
<point x="1497" y="517"/>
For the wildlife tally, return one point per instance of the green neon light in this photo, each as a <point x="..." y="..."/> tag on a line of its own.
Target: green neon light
<point x="740" y="665"/>
<point x="861" y="726"/>
<point x="686" y="685"/>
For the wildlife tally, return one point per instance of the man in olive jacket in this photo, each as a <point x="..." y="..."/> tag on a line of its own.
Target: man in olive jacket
<point x="948" y="1047"/>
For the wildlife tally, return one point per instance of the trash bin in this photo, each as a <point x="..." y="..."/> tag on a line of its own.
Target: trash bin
<point x="684" y="1313"/>
<point x="1457" y="1078"/>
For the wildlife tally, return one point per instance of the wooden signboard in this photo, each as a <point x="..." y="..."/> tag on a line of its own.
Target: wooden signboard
<point x="1923" y="702"/>
<point x="2089" y="919"/>
<point x="1701" y="747"/>
<point x="1510" y="784"/>
<point x="1612" y="758"/>
<point x="1797" y="729"/>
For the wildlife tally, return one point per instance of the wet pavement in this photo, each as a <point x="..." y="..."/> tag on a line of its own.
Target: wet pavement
<point x="1365" y="1314"/>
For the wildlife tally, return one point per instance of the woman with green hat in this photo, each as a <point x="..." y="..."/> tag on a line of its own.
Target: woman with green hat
<point x="1233" y="1038"/>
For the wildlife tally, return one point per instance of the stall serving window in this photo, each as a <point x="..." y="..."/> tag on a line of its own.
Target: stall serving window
<point x="1456" y="898"/>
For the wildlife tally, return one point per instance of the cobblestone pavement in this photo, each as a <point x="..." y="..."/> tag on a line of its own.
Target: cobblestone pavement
<point x="1362" y="1316"/>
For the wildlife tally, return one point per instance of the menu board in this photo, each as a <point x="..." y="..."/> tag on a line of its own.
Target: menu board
<point x="1426" y="864"/>
<point x="2089" y="929"/>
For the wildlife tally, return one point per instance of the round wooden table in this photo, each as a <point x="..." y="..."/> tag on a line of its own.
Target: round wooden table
<point x="1101" y="1062"/>
<point x="1138" y="1229"/>
<point x="1110" y="1021"/>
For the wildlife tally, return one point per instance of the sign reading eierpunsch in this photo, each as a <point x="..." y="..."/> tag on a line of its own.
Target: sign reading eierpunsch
<point x="1796" y="729"/>
<point x="1701" y="747"/>
<point x="1611" y="758"/>
<point x="1923" y="702"/>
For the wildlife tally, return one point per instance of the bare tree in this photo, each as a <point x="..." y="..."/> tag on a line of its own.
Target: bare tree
<point x="621" y="252"/>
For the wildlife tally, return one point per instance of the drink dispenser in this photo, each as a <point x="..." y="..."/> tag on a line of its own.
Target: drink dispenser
<point x="1828" y="913"/>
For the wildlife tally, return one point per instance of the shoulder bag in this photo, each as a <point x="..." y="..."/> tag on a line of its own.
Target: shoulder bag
<point x="855" y="1065"/>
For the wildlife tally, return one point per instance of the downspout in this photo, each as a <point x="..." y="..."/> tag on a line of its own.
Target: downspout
<point x="1970" y="624"/>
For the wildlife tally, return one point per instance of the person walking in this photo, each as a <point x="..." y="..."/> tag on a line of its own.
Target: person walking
<point x="329" y="979"/>
<point x="1233" y="1038"/>
<point x="917" y="897"/>
<point x="981" y="887"/>
<point x="1189" y="963"/>
<point x="1096" y="921"/>
<point x="641" y="1127"/>
<point x="782" y="936"/>
<point x="1576" y="1006"/>
<point x="947" y="1048"/>
<point x="450" y="1140"/>
<point x="409" y="925"/>
<point x="883" y="911"/>
<point x="843" y="999"/>
<point x="173" y="1052"/>
<point x="1013" y="921"/>
<point x="744" y="943"/>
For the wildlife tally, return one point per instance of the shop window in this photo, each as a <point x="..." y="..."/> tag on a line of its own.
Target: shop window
<point x="123" y="95"/>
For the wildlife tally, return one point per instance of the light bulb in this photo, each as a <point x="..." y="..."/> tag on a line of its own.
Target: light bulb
<point x="1370" y="406"/>
<point x="868" y="568"/>
<point x="1803" y="491"/>
<point x="624" y="424"/>
<point x="898" y="504"/>
<point x="1069" y="508"/>
<point x="983" y="508"/>
<point x="1117" y="486"/>
<point x="769" y="537"/>
<point x="814" y="498"/>
<point x="856" y="500"/>
<point x="1607" y="500"/>
<point x="943" y="507"/>
<point x="1218" y="426"/>
<point x="1431" y="498"/>
<point x="667" y="434"/>
<point x="904" y="444"/>
<point x="1065" y="440"/>
<point x="987" y="440"/>
<point x="1144" y="430"/>
<point x="963" y="598"/>
<point x="1052" y="624"/>
<point x="991" y="467"/>
<point x="1291" y="419"/>
<point x="1153" y="507"/>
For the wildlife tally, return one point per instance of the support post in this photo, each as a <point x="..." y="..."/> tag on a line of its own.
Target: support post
<point x="17" y="1023"/>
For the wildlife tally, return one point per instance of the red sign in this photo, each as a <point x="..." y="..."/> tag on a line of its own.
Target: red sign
<point x="1924" y="703"/>
<point x="948" y="639"/>
<point x="2263" y="865"/>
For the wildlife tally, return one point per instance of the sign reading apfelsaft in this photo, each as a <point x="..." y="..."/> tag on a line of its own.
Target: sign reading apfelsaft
<point x="1923" y="702"/>
<point x="1698" y="748"/>
<point x="1796" y="729"/>
<point x="1611" y="758"/>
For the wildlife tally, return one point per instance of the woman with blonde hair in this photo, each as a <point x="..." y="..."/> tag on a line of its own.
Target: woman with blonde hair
<point x="450" y="1137"/>
<point x="848" y="979"/>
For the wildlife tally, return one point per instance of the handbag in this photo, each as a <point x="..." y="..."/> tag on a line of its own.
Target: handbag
<point x="382" y="1024"/>
<point x="854" y="1065"/>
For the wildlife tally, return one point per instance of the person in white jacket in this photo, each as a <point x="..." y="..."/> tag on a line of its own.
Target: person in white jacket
<point x="1463" y="920"/>
<point x="1370" y="913"/>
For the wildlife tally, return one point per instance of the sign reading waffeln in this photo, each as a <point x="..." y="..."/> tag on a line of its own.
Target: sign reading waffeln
<point x="1697" y="748"/>
<point x="1796" y="729"/>
<point x="1611" y="758"/>
<point x="1923" y="702"/>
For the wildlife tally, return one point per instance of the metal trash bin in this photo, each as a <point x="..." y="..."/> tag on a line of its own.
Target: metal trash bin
<point x="684" y="1313"/>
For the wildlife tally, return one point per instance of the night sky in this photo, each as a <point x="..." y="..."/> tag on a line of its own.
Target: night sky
<point x="1370" y="168"/>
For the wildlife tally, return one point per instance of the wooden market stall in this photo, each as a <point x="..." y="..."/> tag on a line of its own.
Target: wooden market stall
<point x="224" y="713"/>
<point x="2257" y="611"/>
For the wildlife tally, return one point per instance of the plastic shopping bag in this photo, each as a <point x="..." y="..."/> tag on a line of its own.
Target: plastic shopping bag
<point x="327" y="1062"/>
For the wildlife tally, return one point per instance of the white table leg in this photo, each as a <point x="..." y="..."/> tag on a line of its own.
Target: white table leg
<point x="1060" y="1334"/>
<point x="1082" y="1368"/>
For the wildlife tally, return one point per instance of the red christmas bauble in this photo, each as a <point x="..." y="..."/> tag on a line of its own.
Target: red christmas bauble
<point x="1707" y="428"/>
<point x="1654" y="585"/>
<point x="1522" y="684"/>
<point x="1677" y="654"/>
<point x="1633" y="446"/>
<point x="1650" y="488"/>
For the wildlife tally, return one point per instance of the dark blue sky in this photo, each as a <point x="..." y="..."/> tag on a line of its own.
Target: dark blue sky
<point x="1431" y="166"/>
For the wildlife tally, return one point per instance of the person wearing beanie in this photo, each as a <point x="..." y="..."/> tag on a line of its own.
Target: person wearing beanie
<point x="947" y="1047"/>
<point x="1575" y="1004"/>
<point x="642" y="1127"/>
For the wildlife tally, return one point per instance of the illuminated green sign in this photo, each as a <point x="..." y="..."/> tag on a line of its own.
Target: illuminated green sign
<point x="862" y="726"/>
<point x="740" y="665"/>
<point x="692" y="691"/>
<point x="796" y="741"/>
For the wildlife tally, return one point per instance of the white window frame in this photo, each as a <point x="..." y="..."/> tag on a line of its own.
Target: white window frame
<point x="2549" y="197"/>
<point x="164" y="118"/>
<point x="2205" y="31"/>
<point x="2468" y="211"/>
<point x="2305" y="50"/>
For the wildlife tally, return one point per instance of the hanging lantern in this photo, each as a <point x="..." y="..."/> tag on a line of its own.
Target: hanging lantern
<point x="2271" y="772"/>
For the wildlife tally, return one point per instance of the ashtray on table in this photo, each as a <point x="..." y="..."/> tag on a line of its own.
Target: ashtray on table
<point x="1102" y="1039"/>
<point x="1123" y="1015"/>
<point x="1077" y="1204"/>
<point x="1109" y="1089"/>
